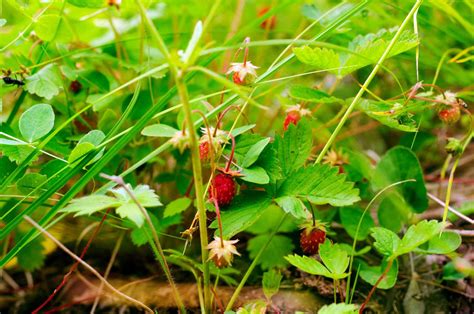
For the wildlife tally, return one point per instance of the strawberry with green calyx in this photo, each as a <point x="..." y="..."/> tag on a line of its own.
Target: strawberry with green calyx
<point x="243" y="73"/>
<point x="294" y="115"/>
<point x="450" y="115"/>
<point x="312" y="236"/>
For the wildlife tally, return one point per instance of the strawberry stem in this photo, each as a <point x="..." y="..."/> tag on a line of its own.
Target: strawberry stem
<point x="312" y="214"/>
<point x="218" y="217"/>
<point x="246" y="41"/>
<point x="231" y="157"/>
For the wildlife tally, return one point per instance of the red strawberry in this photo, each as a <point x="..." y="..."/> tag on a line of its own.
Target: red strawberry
<point x="311" y="237"/>
<point x="450" y="115"/>
<point x="222" y="189"/>
<point x="291" y="117"/>
<point x="75" y="87"/>
<point x="204" y="150"/>
<point x="268" y="23"/>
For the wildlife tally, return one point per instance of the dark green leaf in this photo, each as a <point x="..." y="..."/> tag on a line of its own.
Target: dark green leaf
<point x="177" y="206"/>
<point x="350" y="217"/>
<point x="273" y="255"/>
<point x="271" y="283"/>
<point x="371" y="274"/>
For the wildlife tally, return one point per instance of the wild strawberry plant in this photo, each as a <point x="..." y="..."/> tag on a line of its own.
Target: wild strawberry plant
<point x="262" y="148"/>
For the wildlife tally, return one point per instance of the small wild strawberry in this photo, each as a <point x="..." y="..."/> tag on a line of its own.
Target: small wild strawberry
<point x="222" y="189"/>
<point x="243" y="73"/>
<point x="311" y="237"/>
<point x="75" y="86"/>
<point x="268" y="23"/>
<point x="204" y="150"/>
<point x="293" y="115"/>
<point x="450" y="115"/>
<point x="222" y="251"/>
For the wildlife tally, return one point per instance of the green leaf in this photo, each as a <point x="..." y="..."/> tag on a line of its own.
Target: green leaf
<point x="294" y="148"/>
<point x="271" y="283"/>
<point x="320" y="58"/>
<point x="50" y="27"/>
<point x="386" y="241"/>
<point x="371" y="274"/>
<point x="320" y="184"/>
<point x="143" y="193"/>
<point x="400" y="164"/>
<point x="244" y="212"/>
<point x="140" y="235"/>
<point x="255" y="174"/>
<point x="334" y="258"/>
<point x="160" y="130"/>
<point x="418" y="234"/>
<point x="87" y="3"/>
<point x="446" y="243"/>
<point x="293" y="206"/>
<point x="237" y="131"/>
<point x="79" y="151"/>
<point x="94" y="137"/>
<point x="90" y="204"/>
<point x="177" y="206"/>
<point x="16" y="153"/>
<point x="451" y="273"/>
<point x="30" y="182"/>
<point x="270" y="218"/>
<point x="132" y="212"/>
<point x="45" y="83"/>
<point x="308" y="265"/>
<point x="388" y="114"/>
<point x="36" y="122"/>
<point x="269" y="161"/>
<point x="350" y="217"/>
<point x="339" y="308"/>
<point x="273" y="255"/>
<point x="254" y="152"/>
<point x="308" y="94"/>
<point x="393" y="211"/>
<point x="186" y="58"/>
<point x="31" y="257"/>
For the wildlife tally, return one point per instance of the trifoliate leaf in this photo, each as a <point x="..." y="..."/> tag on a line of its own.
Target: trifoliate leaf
<point x="36" y="122"/>
<point x="418" y="234"/>
<point x="45" y="83"/>
<point x="335" y="259"/>
<point x="273" y="255"/>
<point x="386" y="241"/>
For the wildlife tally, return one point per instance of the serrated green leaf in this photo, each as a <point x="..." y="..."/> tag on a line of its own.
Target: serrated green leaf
<point x="36" y="122"/>
<point x="244" y="212"/>
<point x="400" y="164"/>
<point x="88" y="3"/>
<point x="335" y="259"/>
<point x="177" y="206"/>
<point x="320" y="184"/>
<point x="308" y="265"/>
<point x="90" y="204"/>
<point x="339" y="308"/>
<point x="384" y="113"/>
<point x="350" y="217"/>
<point x="132" y="212"/>
<point x="256" y="175"/>
<point x="160" y="130"/>
<point x="45" y="83"/>
<point x="294" y="148"/>
<point x="293" y="206"/>
<point x="271" y="283"/>
<point x="371" y="274"/>
<point x="418" y="234"/>
<point x="273" y="254"/>
<point x="320" y="58"/>
<point x="254" y="152"/>
<point x="386" y="241"/>
<point x="308" y="94"/>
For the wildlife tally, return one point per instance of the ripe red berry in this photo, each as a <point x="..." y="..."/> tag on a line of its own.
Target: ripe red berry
<point x="204" y="150"/>
<point x="450" y="115"/>
<point x="222" y="189"/>
<point x="236" y="78"/>
<point x="75" y="87"/>
<point x="311" y="238"/>
<point x="291" y="117"/>
<point x="268" y="23"/>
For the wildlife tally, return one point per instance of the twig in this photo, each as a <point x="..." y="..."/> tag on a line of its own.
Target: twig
<point x="457" y="213"/>
<point x="90" y="268"/>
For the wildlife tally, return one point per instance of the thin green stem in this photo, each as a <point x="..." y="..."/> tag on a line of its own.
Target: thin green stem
<point x="367" y="82"/>
<point x="255" y="261"/>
